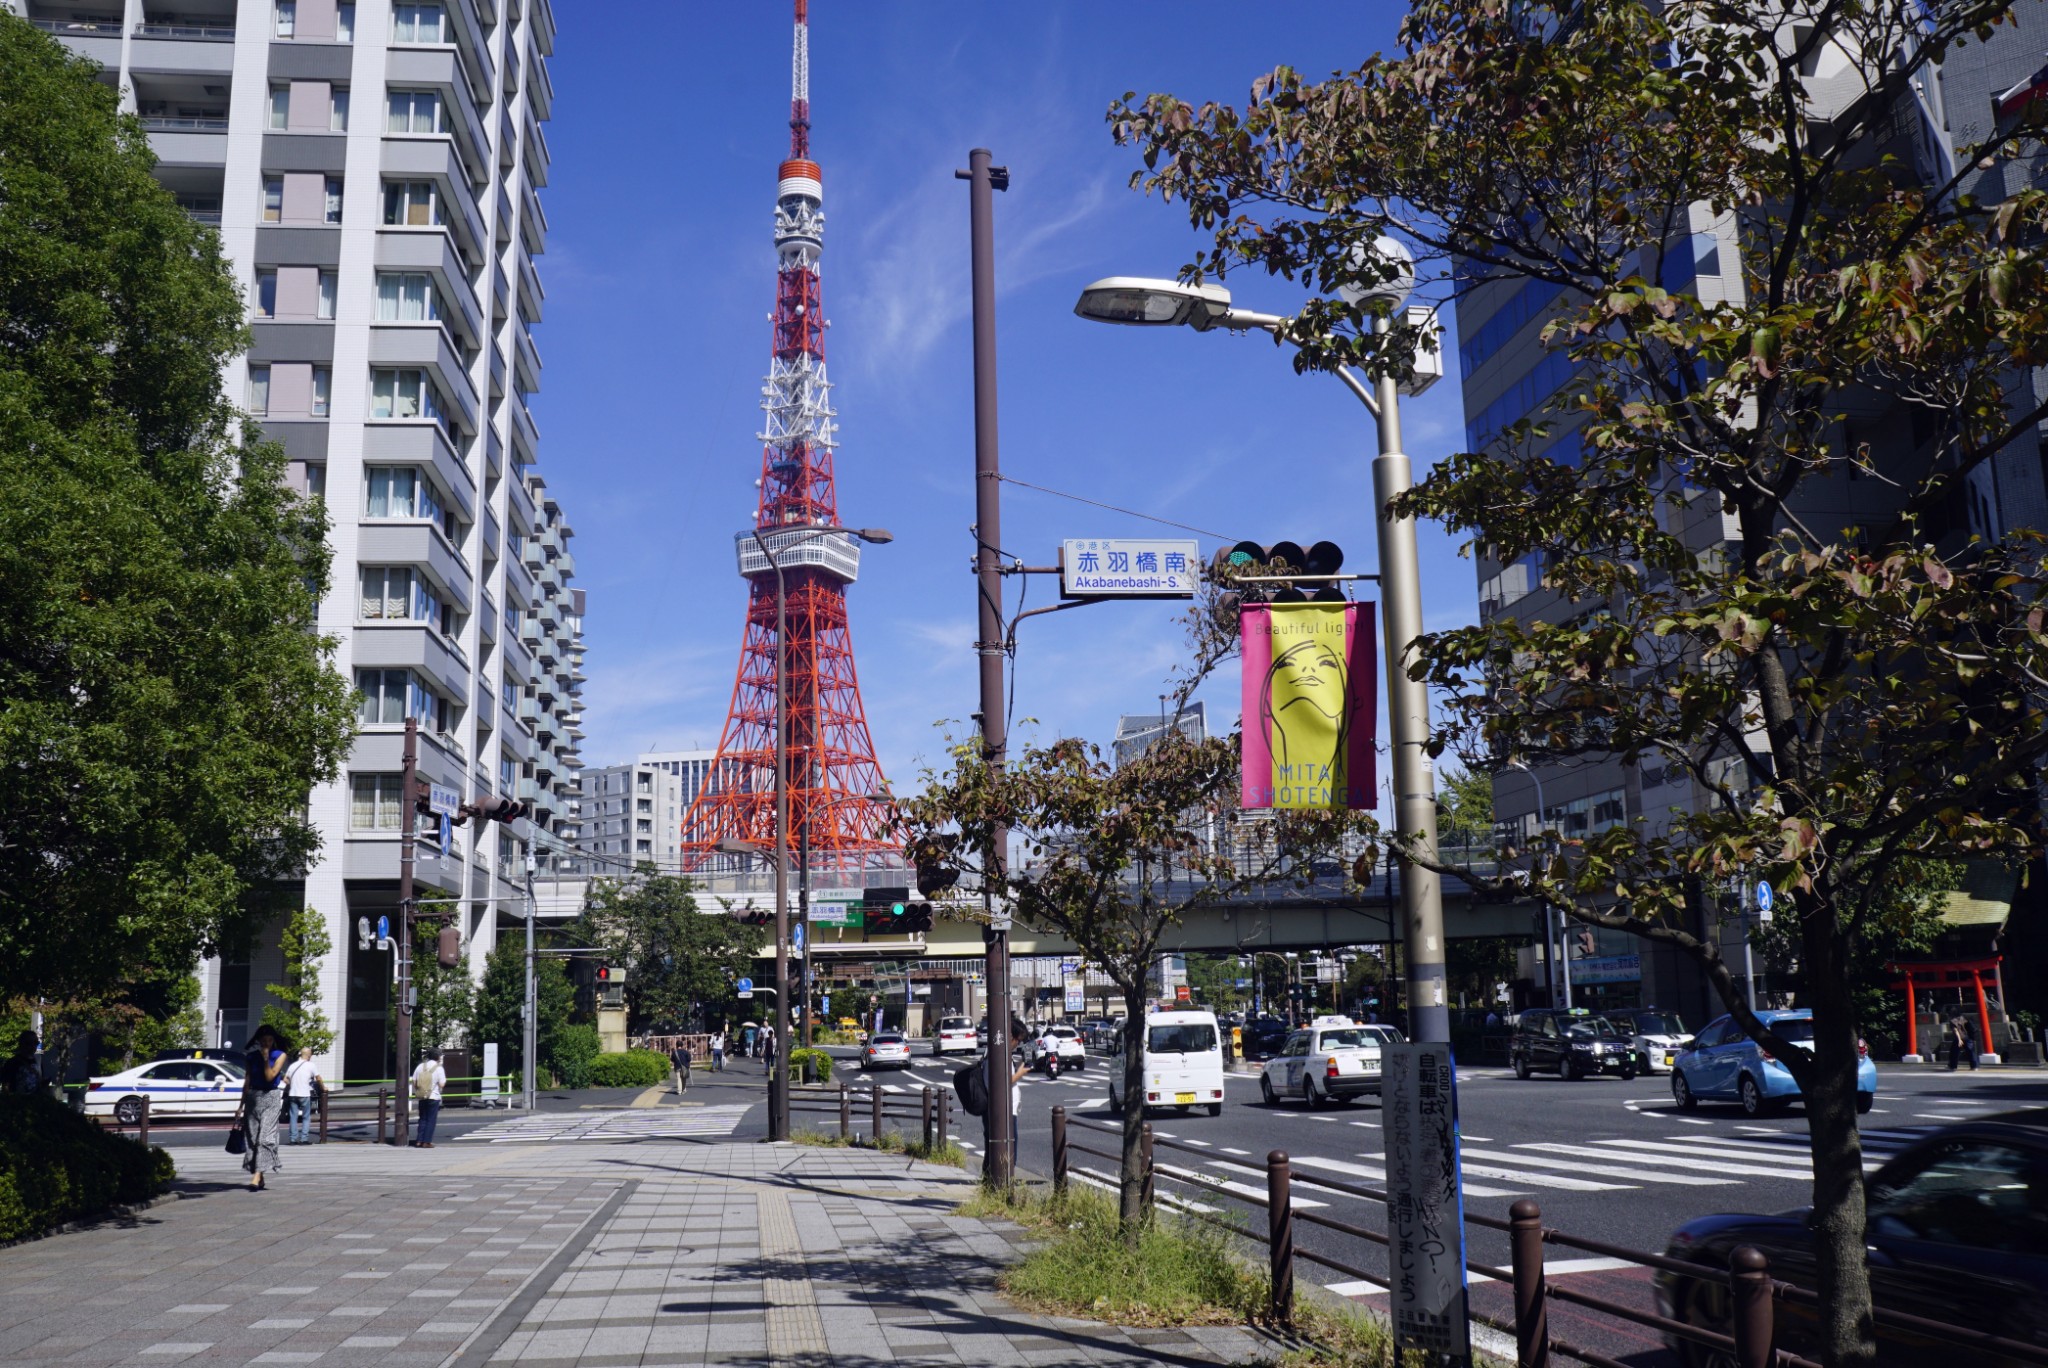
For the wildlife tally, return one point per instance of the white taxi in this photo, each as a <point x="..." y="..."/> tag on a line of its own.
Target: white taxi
<point x="1334" y="1058"/>
<point x="1063" y="1041"/>
<point x="174" y="1087"/>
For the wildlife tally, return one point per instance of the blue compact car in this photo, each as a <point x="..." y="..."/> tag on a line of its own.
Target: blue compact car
<point x="1726" y="1065"/>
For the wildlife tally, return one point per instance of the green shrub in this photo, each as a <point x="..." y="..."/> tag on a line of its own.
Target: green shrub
<point x="56" y="1166"/>
<point x="633" y="1069"/>
<point x="819" y="1058"/>
<point x="571" y="1054"/>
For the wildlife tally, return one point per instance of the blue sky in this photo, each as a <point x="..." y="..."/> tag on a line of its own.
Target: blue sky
<point x="669" y="122"/>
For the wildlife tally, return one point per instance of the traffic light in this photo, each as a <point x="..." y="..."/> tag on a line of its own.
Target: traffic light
<point x="916" y="916"/>
<point x="933" y="856"/>
<point x="885" y="897"/>
<point x="1272" y="565"/>
<point x="448" y="948"/>
<point x="756" y="916"/>
<point x="489" y="807"/>
<point x="423" y="798"/>
<point x="611" y="985"/>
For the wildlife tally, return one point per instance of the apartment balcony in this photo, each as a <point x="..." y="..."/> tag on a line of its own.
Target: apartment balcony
<point x="540" y="89"/>
<point x="410" y="645"/>
<point x="529" y="712"/>
<point x="436" y="159"/>
<point x="530" y="636"/>
<point x="502" y="224"/>
<point x="529" y="790"/>
<point x="420" y="544"/>
<point x="533" y="224"/>
<point x="96" y="39"/>
<point x="497" y="368"/>
<point x="401" y="249"/>
<point x="537" y="155"/>
<point x="525" y="433"/>
<point x="519" y="503"/>
<point x="486" y="718"/>
<point x="199" y="141"/>
<point x="541" y="21"/>
<point x="183" y="49"/>
<point x="439" y="69"/>
<point x="516" y="740"/>
<point x="471" y="42"/>
<point x="531" y="295"/>
<point x="494" y="456"/>
<point x="525" y="359"/>
<point x="508" y="137"/>
<point x="487" y="617"/>
<point x="501" y="290"/>
<point x="519" y="590"/>
<point x="427" y="345"/>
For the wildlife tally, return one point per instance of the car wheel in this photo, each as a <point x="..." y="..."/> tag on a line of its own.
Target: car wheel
<point x="1681" y="1093"/>
<point x="1215" y="1109"/>
<point x="128" y="1111"/>
<point x="1266" y="1093"/>
<point x="1864" y="1102"/>
<point x="1570" y="1070"/>
<point x="1522" y="1068"/>
<point x="1309" y="1095"/>
<point x="1116" y="1108"/>
<point x="1753" y="1102"/>
<point x="1344" y="1099"/>
<point x="1628" y="1073"/>
<point x="1706" y="1305"/>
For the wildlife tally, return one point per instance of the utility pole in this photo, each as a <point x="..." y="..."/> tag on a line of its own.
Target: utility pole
<point x="529" y="1037"/>
<point x="406" y="808"/>
<point x="983" y="179"/>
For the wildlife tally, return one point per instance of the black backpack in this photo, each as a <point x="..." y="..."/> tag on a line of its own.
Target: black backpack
<point x="971" y="1083"/>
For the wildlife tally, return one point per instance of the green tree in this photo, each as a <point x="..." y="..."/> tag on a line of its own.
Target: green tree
<point x="681" y="961"/>
<point x="447" y="1002"/>
<point x="496" y="1010"/>
<point x="1850" y="683"/>
<point x="1464" y="806"/>
<point x="294" y="1010"/>
<point x="166" y="699"/>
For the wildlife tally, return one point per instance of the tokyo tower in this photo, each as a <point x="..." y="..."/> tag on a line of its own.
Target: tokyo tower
<point x="836" y="803"/>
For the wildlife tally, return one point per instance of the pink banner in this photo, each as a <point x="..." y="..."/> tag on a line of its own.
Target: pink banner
<point x="1309" y="706"/>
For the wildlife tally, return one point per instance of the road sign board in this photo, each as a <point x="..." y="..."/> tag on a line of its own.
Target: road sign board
<point x="746" y="987"/>
<point x="1076" y="995"/>
<point x="383" y="928"/>
<point x="835" y="914"/>
<point x="796" y="938"/>
<point x="744" y="996"/>
<point x="1419" y="1107"/>
<point x="443" y="799"/>
<point x="1765" y="899"/>
<point x="1128" y="567"/>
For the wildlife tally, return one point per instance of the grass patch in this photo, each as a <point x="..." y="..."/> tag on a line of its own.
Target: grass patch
<point x="891" y="1143"/>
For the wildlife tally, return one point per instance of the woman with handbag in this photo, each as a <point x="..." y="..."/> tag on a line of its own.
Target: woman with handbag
<point x="262" y="1113"/>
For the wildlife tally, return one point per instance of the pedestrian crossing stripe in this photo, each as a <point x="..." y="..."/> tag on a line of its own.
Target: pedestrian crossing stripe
<point x="639" y="1123"/>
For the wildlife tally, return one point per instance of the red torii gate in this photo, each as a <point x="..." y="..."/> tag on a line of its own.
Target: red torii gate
<point x="1946" y="974"/>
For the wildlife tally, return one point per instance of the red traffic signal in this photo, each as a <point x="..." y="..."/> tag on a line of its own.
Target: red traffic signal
<point x="604" y="973"/>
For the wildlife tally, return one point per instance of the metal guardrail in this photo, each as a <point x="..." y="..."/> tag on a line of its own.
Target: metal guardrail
<point x="184" y="123"/>
<point x="337" y="1107"/>
<point x="207" y="33"/>
<point x="1754" y="1295"/>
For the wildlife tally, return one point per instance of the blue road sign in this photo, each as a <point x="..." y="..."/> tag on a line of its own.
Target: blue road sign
<point x="383" y="928"/>
<point x="745" y="985"/>
<point x="796" y="937"/>
<point x="1764" y="898"/>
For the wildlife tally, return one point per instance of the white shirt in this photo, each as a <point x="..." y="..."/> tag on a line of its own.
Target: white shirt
<point x="428" y="1080"/>
<point x="298" y="1079"/>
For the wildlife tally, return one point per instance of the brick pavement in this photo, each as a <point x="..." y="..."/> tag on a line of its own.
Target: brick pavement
<point x="602" y="1254"/>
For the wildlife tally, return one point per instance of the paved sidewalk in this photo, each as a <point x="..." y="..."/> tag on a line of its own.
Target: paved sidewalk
<point x="599" y="1253"/>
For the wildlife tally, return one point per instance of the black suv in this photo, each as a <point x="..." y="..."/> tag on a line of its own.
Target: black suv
<point x="1571" y="1043"/>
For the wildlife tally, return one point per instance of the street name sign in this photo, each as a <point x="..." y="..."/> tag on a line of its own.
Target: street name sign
<point x="1426" y="1206"/>
<point x="835" y="914"/>
<point x="1128" y="567"/>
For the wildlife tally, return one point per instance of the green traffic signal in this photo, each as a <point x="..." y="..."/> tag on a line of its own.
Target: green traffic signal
<point x="897" y="909"/>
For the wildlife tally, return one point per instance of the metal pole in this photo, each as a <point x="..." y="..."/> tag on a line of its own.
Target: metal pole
<point x="405" y="859"/>
<point x="803" y="914"/>
<point x="529" y="1037"/>
<point x="1280" y="1237"/>
<point x="1429" y="1013"/>
<point x="1525" y="1248"/>
<point x="1749" y="1280"/>
<point x="778" y="1077"/>
<point x="983" y="179"/>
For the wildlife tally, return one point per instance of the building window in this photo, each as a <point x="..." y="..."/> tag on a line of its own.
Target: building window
<point x="266" y="294"/>
<point x="413" y="111"/>
<point x="403" y="394"/>
<point x="329" y="287"/>
<point x="337" y="109"/>
<point x="387" y="592"/>
<point x="316" y="479"/>
<point x="412" y="23"/>
<point x="643" y="847"/>
<point x="407" y="298"/>
<point x="644" y="805"/>
<point x="334" y="199"/>
<point x="287" y="18"/>
<point x="411" y="204"/>
<point x="259" y="390"/>
<point x="644" y="825"/>
<point x="374" y="801"/>
<point x="401" y="492"/>
<point x="280" y="106"/>
<point x="345" y="22"/>
<point x="508" y="775"/>
<point x="385" y="696"/>
<point x="273" y="198"/>
<point x="323" y="385"/>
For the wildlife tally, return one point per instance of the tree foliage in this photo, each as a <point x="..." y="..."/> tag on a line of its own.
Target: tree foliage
<point x="166" y="702"/>
<point x="1845" y="681"/>
<point x="294" y="1009"/>
<point x="500" y="999"/>
<point x="681" y="961"/>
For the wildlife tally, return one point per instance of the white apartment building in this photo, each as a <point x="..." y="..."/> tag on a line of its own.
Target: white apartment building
<point x="374" y="170"/>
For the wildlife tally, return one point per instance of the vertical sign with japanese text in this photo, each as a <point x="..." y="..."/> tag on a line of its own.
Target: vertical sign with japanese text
<point x="1426" y="1207"/>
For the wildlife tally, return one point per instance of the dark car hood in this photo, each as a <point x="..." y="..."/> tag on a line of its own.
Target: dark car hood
<point x="1714" y="1231"/>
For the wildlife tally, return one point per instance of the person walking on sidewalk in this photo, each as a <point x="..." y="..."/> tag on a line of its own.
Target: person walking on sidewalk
<point x="299" y="1081"/>
<point x="1960" y="1032"/>
<point x="681" y="1059"/>
<point x="427" y="1081"/>
<point x="262" y="1105"/>
<point x="768" y="1051"/>
<point x="718" y="1051"/>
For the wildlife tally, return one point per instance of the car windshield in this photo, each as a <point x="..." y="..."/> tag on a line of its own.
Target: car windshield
<point x="954" y="1024"/>
<point x="233" y="1066"/>
<point x="1796" y="1030"/>
<point x="1355" y="1039"/>
<point x="1658" y="1023"/>
<point x="1589" y="1028"/>
<point x="1187" y="1038"/>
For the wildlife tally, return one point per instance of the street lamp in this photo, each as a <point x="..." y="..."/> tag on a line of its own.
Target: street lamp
<point x="778" y="1077"/>
<point x="1145" y="302"/>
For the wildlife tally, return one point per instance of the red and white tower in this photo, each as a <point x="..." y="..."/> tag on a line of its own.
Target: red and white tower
<point x="834" y="781"/>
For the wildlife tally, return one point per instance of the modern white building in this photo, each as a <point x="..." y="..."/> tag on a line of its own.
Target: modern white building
<point x="374" y="170"/>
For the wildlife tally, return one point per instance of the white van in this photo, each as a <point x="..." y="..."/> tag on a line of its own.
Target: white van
<point x="1183" y="1063"/>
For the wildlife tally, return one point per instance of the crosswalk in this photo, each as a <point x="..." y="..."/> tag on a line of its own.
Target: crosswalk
<point x="636" y="1123"/>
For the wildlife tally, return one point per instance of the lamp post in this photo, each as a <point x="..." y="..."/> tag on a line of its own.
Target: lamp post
<point x="778" y="1077"/>
<point x="1147" y="302"/>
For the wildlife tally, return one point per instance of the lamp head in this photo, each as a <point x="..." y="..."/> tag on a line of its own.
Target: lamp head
<point x="1147" y="302"/>
<point x="1396" y="269"/>
<point x="879" y="536"/>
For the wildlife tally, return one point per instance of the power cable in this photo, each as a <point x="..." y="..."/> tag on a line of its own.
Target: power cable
<point x="1114" y="508"/>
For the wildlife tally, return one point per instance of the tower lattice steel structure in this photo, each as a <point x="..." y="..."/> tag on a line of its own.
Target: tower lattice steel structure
<point x="834" y="780"/>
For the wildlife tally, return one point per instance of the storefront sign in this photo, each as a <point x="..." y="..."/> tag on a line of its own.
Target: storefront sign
<point x="1608" y="969"/>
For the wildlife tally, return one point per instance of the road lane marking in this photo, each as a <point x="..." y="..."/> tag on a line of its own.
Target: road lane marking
<point x="1378" y="1174"/>
<point x="1228" y="1150"/>
<point x="1638" y="1176"/>
<point x="1369" y="1125"/>
<point x="1662" y="1161"/>
<point x="1792" y="1160"/>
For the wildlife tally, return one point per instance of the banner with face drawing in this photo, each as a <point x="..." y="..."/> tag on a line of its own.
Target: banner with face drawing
<point x="1310" y="695"/>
